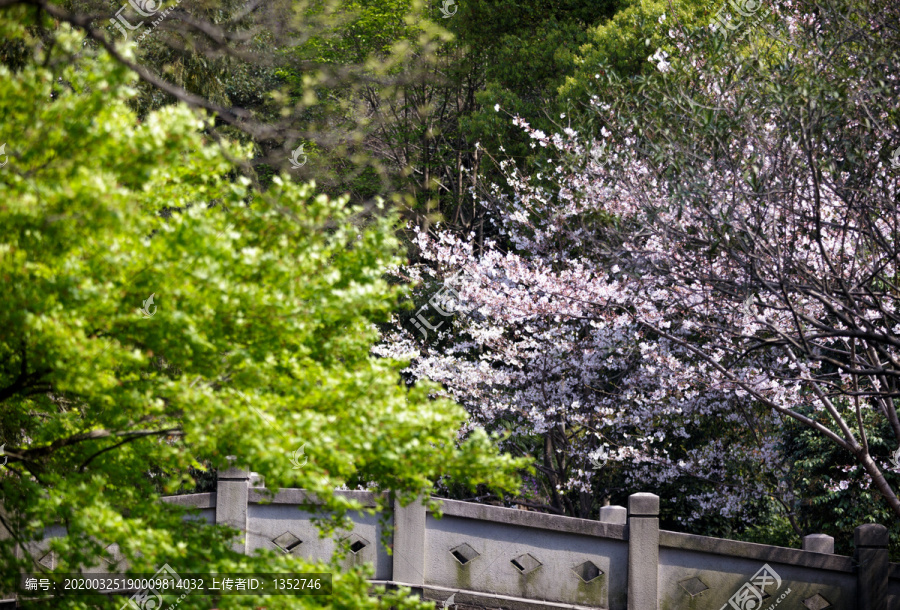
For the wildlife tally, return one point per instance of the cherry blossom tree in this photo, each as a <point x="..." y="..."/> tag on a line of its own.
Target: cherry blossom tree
<point x="713" y="253"/>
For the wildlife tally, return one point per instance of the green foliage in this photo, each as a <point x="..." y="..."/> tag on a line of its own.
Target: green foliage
<point x="835" y="495"/>
<point x="523" y="51"/>
<point x="363" y="30"/>
<point x="623" y="43"/>
<point x="263" y="310"/>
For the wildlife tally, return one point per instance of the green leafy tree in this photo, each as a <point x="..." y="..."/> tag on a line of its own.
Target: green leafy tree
<point x="279" y="74"/>
<point x="623" y="43"/>
<point x="125" y="244"/>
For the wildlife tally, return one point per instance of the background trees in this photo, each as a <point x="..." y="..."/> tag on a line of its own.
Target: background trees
<point x="386" y="97"/>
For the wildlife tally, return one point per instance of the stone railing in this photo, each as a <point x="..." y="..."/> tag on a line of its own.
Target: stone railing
<point x="504" y="558"/>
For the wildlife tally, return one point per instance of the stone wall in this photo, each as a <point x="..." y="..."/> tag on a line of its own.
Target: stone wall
<point x="505" y="558"/>
<point x="495" y="557"/>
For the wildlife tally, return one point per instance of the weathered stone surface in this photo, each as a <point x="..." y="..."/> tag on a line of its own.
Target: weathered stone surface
<point x="871" y="541"/>
<point x="643" y="504"/>
<point x="409" y="543"/>
<point x="231" y="503"/>
<point x="870" y="535"/>
<point x="752" y="550"/>
<point x="819" y="543"/>
<point x="614" y="514"/>
<point x="643" y="551"/>
<point x="510" y="516"/>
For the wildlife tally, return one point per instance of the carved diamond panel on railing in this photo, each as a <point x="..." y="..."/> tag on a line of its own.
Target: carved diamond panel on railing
<point x="464" y="553"/>
<point x="48" y="561"/>
<point x="817" y="602"/>
<point x="357" y="543"/>
<point x="694" y="586"/>
<point x="587" y="571"/>
<point x="287" y="542"/>
<point x="526" y="563"/>
<point x="114" y="555"/>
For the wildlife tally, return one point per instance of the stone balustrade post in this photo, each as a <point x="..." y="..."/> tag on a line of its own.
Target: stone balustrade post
<point x="871" y="556"/>
<point x="409" y="543"/>
<point x="643" y="551"/>
<point x="614" y="514"/>
<point x="232" y="498"/>
<point x="819" y="543"/>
